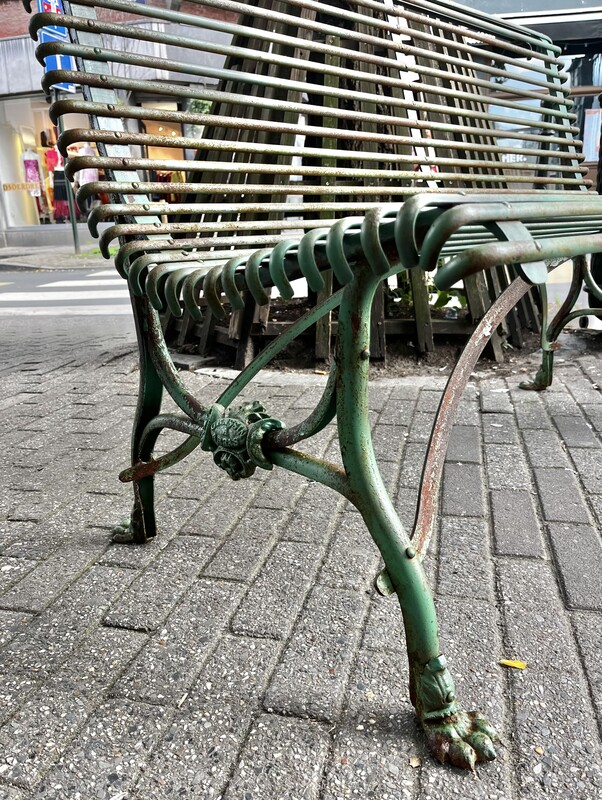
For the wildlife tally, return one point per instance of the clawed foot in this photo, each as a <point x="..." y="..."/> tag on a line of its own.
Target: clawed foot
<point x="540" y="382"/>
<point x="138" y="529"/>
<point x="123" y="533"/>
<point x="452" y="735"/>
<point x="461" y="739"/>
<point x="543" y="377"/>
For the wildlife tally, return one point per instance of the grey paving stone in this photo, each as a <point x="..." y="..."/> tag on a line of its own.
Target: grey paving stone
<point x="353" y="559"/>
<point x="575" y="432"/>
<point x="411" y="466"/>
<point x="564" y="728"/>
<point x="93" y="510"/>
<point x="15" y="689"/>
<point x="464" y="445"/>
<point x="41" y="585"/>
<point x="12" y="570"/>
<point x="246" y="548"/>
<point x="378" y="395"/>
<point x="552" y="707"/>
<point x="199" y="750"/>
<point x="506" y="467"/>
<point x="110" y="752"/>
<point x="167" y="483"/>
<point x="463" y="490"/>
<point x="530" y="410"/>
<point x="429" y="397"/>
<point x="32" y="505"/>
<point x="421" y="426"/>
<point x="430" y="564"/>
<point x="314" y="515"/>
<point x="468" y="412"/>
<point x="172" y="515"/>
<point x="310" y="679"/>
<point x="216" y="516"/>
<point x="535" y="628"/>
<point x="165" y="669"/>
<point x="10" y="793"/>
<point x="153" y="594"/>
<point x="205" y="476"/>
<point x="591" y="369"/>
<point x="389" y="441"/>
<point x="397" y="412"/>
<point x="271" y="604"/>
<point x="11" y="624"/>
<point x="465" y="568"/>
<point x="97" y="661"/>
<point x="13" y="537"/>
<point x="50" y="637"/>
<point x="560" y="496"/>
<point x="372" y="762"/>
<point x="593" y="414"/>
<point x="35" y="738"/>
<point x="378" y="696"/>
<point x="384" y="628"/>
<point x="558" y="400"/>
<point x="499" y="429"/>
<point x="406" y="502"/>
<point x="377" y="736"/>
<point x="582" y="387"/>
<point x="588" y="629"/>
<point x="404" y="390"/>
<point x="578" y="552"/>
<point x="545" y="449"/>
<point x="588" y="464"/>
<point x="281" y="487"/>
<point x="389" y="472"/>
<point x="322" y="442"/>
<point x="528" y="582"/>
<point x="282" y="758"/>
<point x="516" y="528"/>
<point x="595" y="502"/>
<point x="495" y="397"/>
<point x="333" y="452"/>
<point x="308" y="398"/>
<point x="133" y="556"/>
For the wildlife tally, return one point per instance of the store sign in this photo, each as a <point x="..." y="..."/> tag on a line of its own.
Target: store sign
<point x="30" y="186"/>
<point x="55" y="33"/>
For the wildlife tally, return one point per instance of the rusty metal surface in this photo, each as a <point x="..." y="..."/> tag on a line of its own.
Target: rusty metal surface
<point x="433" y="466"/>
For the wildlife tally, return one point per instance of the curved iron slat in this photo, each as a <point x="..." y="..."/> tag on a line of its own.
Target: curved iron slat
<point x="132" y="59"/>
<point x="131" y="84"/>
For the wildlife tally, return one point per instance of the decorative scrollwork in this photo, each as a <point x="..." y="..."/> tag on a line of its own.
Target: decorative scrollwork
<point x="234" y="437"/>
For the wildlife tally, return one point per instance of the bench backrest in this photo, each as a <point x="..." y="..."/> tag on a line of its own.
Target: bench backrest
<point x="309" y="111"/>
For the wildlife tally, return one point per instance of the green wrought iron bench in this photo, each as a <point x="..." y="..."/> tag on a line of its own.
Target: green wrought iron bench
<point x="341" y="142"/>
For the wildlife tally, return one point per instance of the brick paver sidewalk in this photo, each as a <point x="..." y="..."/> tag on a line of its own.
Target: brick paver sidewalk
<point x="244" y="655"/>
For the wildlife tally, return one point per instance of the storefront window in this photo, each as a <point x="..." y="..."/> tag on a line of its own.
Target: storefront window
<point x="32" y="178"/>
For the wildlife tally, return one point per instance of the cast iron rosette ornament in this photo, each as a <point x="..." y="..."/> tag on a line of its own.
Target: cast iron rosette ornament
<point x="234" y="437"/>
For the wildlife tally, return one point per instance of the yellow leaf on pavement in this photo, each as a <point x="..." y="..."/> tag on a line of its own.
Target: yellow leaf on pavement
<point x="506" y="662"/>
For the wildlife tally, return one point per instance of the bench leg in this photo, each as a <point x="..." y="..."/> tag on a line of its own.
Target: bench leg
<point x="142" y="525"/>
<point x="551" y="331"/>
<point x="452" y="734"/>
